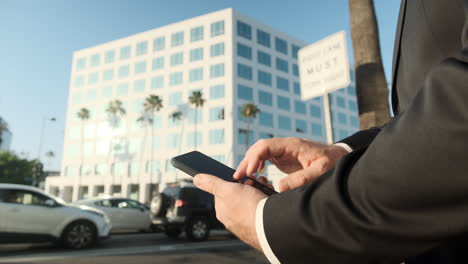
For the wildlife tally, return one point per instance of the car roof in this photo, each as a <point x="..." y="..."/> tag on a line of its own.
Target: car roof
<point x="94" y="199"/>
<point x="19" y="186"/>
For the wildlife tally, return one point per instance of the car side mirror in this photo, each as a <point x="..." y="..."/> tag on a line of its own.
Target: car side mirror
<point x="50" y="203"/>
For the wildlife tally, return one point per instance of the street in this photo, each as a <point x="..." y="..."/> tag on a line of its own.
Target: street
<point x="139" y="249"/>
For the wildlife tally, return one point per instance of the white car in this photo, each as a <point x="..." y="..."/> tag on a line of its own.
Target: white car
<point x="125" y="214"/>
<point x="29" y="215"/>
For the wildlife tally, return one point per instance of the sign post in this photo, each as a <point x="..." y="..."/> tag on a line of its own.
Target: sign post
<point x="324" y="68"/>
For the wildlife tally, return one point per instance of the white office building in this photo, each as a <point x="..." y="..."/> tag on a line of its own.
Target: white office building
<point x="232" y="59"/>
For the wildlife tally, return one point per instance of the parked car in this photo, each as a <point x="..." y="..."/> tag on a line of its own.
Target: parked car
<point x="125" y="214"/>
<point x="29" y="215"/>
<point x="183" y="207"/>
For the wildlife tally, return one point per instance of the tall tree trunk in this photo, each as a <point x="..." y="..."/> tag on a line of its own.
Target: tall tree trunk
<point x="371" y="85"/>
<point x="196" y="121"/>
<point x="247" y="132"/>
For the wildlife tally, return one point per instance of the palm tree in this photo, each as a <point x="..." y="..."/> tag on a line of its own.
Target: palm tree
<point x="115" y="111"/>
<point x="371" y="86"/>
<point x="3" y="128"/>
<point x="152" y="103"/>
<point x="146" y="121"/>
<point x="50" y="155"/>
<point x="83" y="115"/>
<point x="249" y="111"/>
<point x="196" y="98"/>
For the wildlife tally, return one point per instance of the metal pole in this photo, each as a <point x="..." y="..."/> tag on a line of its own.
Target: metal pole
<point x="41" y="139"/>
<point x="328" y="118"/>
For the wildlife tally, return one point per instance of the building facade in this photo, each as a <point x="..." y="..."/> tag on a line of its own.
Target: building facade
<point x="232" y="59"/>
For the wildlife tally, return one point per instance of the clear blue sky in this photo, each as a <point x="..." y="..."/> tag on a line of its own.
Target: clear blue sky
<point x="38" y="38"/>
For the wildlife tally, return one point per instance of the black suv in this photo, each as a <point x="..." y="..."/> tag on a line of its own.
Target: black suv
<point x="183" y="207"/>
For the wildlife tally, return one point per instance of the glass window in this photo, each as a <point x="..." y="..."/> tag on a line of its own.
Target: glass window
<point x="139" y="86"/>
<point x="157" y="121"/>
<point x="284" y="103"/>
<point x="102" y="169"/>
<point x="217" y="91"/>
<point x="122" y="89"/>
<point x="264" y="78"/>
<point x="196" y="54"/>
<point x="158" y="63"/>
<point x="284" y="122"/>
<point x="354" y="121"/>
<point x="175" y="78"/>
<point x="194" y="114"/>
<point x="177" y="39"/>
<point x="265" y="135"/>
<point x="177" y="59"/>
<point x="263" y="38"/>
<point x="124" y="71"/>
<point x="217" y="49"/>
<point x="137" y="106"/>
<point x="281" y="45"/>
<point x="342" y="119"/>
<point x="317" y="130"/>
<point x="297" y="88"/>
<point x="282" y="65"/>
<point x="106" y="92"/>
<point x="91" y="95"/>
<point x="244" y="92"/>
<point x="196" y="34"/>
<point x="142" y="48"/>
<point x="244" y="51"/>
<point x="240" y="117"/>
<point x="295" y="70"/>
<point x="154" y="166"/>
<point x="79" y="81"/>
<point x="194" y="139"/>
<point x="244" y="30"/>
<point x="108" y="75"/>
<point x="95" y="60"/>
<point x="340" y="101"/>
<point x="125" y="52"/>
<point x="265" y="119"/>
<point x="217" y="70"/>
<point x="109" y="56"/>
<point x="156" y="140"/>
<point x="217" y="28"/>
<point x="241" y="136"/>
<point x="264" y="58"/>
<point x="80" y="64"/>
<point x="140" y="67"/>
<point x="244" y="71"/>
<point x="216" y="136"/>
<point x="175" y="98"/>
<point x="282" y="83"/>
<point x="196" y="74"/>
<point x="157" y="82"/>
<point x="77" y="98"/>
<point x="294" y="51"/>
<point x="173" y="122"/>
<point x="93" y="78"/>
<point x="159" y="43"/>
<point x="265" y="98"/>
<point x="315" y="111"/>
<point x="217" y="113"/>
<point x="352" y="90"/>
<point x="219" y="158"/>
<point x="301" y="126"/>
<point x="299" y="107"/>
<point x="173" y="141"/>
<point x="353" y="106"/>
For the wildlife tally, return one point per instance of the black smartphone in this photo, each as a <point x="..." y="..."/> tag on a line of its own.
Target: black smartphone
<point x="195" y="162"/>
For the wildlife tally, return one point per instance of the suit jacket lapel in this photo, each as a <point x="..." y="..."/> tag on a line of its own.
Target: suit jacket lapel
<point x="396" y="55"/>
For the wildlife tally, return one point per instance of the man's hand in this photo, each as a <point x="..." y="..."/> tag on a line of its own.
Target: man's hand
<point x="304" y="160"/>
<point x="235" y="205"/>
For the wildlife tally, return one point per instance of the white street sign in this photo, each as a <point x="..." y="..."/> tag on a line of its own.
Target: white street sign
<point x="324" y="66"/>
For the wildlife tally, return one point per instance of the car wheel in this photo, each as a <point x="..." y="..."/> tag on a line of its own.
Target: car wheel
<point x="172" y="232"/>
<point x="197" y="229"/>
<point x="78" y="235"/>
<point x="159" y="205"/>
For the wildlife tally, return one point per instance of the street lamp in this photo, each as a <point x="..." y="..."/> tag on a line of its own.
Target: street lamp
<point x="41" y="139"/>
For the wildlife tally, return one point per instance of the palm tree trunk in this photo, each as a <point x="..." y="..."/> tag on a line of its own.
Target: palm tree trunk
<point x="152" y="146"/>
<point x="371" y="85"/>
<point x="196" y="121"/>
<point x="247" y="135"/>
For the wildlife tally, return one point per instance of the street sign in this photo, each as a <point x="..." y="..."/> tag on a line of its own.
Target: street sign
<point x="324" y="66"/>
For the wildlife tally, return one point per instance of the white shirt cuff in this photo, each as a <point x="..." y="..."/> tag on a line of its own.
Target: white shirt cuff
<point x="345" y="146"/>
<point x="261" y="233"/>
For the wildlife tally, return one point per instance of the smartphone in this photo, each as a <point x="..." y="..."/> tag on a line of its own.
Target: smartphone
<point x="195" y="162"/>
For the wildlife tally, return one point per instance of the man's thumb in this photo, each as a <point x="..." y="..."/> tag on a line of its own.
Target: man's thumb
<point x="208" y="183"/>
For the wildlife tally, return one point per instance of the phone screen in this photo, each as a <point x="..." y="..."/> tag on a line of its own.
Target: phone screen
<point x="196" y="162"/>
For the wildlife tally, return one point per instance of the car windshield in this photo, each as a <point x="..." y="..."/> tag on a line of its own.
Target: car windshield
<point x="172" y="191"/>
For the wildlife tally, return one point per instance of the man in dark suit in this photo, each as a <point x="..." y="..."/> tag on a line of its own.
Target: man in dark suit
<point x="401" y="192"/>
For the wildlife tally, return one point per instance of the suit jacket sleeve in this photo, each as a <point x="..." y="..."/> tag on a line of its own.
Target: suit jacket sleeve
<point x="361" y="138"/>
<point x="405" y="193"/>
